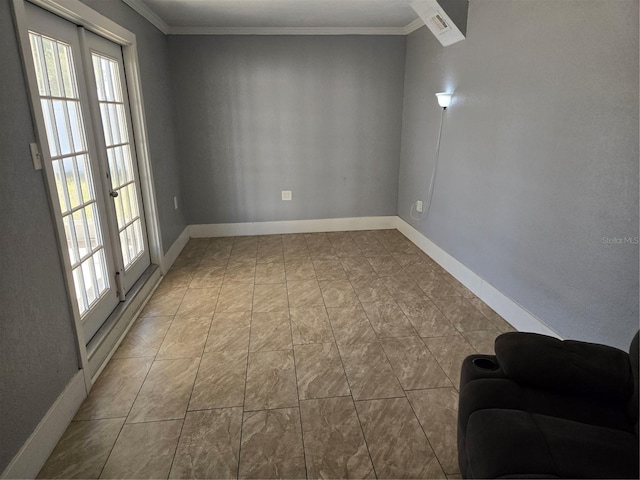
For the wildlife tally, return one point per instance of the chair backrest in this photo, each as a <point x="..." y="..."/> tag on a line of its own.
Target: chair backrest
<point x="635" y="360"/>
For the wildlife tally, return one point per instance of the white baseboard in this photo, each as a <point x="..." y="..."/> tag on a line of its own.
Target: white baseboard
<point x="511" y="311"/>
<point x="35" y="451"/>
<point x="292" y="226"/>
<point x="174" y="251"/>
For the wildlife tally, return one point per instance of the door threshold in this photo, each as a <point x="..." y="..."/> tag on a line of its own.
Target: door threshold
<point x="108" y="337"/>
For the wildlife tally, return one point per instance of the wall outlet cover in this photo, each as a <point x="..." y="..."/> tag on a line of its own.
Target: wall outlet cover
<point x="286" y="194"/>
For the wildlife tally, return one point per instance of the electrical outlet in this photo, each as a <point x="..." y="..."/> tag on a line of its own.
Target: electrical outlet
<point x="286" y="194"/>
<point x="419" y="206"/>
<point x="175" y="203"/>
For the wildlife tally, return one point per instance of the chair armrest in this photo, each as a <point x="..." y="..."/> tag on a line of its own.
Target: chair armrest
<point x="565" y="366"/>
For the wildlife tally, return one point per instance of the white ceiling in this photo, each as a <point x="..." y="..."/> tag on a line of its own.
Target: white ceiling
<point x="279" y="16"/>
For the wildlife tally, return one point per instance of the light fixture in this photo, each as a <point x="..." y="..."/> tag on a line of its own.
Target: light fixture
<point x="444" y="99"/>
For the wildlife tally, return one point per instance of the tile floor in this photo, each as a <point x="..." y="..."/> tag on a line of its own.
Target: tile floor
<point x="325" y="355"/>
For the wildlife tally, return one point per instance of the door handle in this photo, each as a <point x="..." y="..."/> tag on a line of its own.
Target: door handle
<point x="114" y="194"/>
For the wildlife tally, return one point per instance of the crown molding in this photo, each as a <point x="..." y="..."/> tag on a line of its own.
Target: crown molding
<point x="149" y="15"/>
<point x="141" y="8"/>
<point x="413" y="26"/>
<point x="285" y="30"/>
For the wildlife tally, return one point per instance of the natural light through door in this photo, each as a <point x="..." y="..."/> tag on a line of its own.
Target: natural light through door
<point x="123" y="182"/>
<point x="66" y="136"/>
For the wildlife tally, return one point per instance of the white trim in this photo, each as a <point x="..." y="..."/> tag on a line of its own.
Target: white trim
<point x="413" y="26"/>
<point x="292" y="226"/>
<point x="148" y="15"/>
<point x="35" y="451"/>
<point x="286" y="30"/>
<point x="174" y="251"/>
<point x="510" y="310"/>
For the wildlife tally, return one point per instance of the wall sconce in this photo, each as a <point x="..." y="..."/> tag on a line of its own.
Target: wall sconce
<point x="444" y="99"/>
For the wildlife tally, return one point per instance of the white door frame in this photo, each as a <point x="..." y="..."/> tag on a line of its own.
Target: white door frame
<point x="80" y="14"/>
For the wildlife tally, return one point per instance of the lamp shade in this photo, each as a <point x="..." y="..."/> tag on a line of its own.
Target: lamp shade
<point x="444" y="99"/>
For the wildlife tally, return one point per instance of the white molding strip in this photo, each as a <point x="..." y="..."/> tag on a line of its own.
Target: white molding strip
<point x="292" y="226"/>
<point x="35" y="451"/>
<point x="286" y="30"/>
<point x="174" y="251"/>
<point x="413" y="26"/>
<point x="510" y="310"/>
<point x="149" y="15"/>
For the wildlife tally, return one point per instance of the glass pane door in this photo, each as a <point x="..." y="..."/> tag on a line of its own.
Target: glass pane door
<point x="80" y="198"/>
<point x="115" y="142"/>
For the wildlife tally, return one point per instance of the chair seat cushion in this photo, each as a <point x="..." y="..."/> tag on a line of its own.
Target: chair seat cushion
<point x="504" y="393"/>
<point x="503" y="443"/>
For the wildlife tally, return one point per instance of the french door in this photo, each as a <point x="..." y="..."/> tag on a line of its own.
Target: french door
<point x="83" y="99"/>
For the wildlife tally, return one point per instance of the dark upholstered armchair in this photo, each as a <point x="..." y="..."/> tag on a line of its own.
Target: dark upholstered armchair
<point x="545" y="408"/>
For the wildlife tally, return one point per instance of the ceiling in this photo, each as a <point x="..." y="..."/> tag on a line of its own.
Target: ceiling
<point x="394" y="17"/>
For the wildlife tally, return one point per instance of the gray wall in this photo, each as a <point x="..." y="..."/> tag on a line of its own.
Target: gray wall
<point x="38" y="354"/>
<point x="539" y="156"/>
<point x="158" y="103"/>
<point x="316" y="115"/>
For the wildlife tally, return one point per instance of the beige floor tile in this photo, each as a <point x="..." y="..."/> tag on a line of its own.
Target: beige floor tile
<point x="310" y="325"/>
<point x="397" y="444"/>
<point x="385" y="265"/>
<point x="235" y="297"/>
<point x="333" y="440"/>
<point x="209" y="445"/>
<point x="328" y="270"/>
<point x="346" y="248"/>
<point x="143" y="450"/>
<point x="437" y="412"/>
<point x="185" y="339"/>
<point x="319" y="371"/>
<point x="420" y="271"/>
<point x="271" y="381"/>
<point x="369" y="372"/>
<point x="242" y="272"/>
<point x="305" y="293"/>
<point x="413" y="364"/>
<point x="270" y="298"/>
<point x="270" y="331"/>
<point x="270" y="273"/>
<point x="198" y="302"/>
<point x="356" y="267"/>
<point x="338" y="293"/>
<point x="404" y="289"/>
<point x="427" y="319"/>
<point x="165" y="392"/>
<point x="116" y="389"/>
<point x="144" y="338"/>
<point x="164" y="303"/>
<point x="371" y="289"/>
<point x="270" y="254"/>
<point x="229" y="331"/>
<point x="300" y="270"/>
<point x="437" y="287"/>
<point x="208" y="276"/>
<point x="272" y="445"/>
<point x="450" y="352"/>
<point x="388" y="320"/>
<point x="323" y="252"/>
<point x="350" y="325"/>
<point x="83" y="449"/>
<point x="482" y="340"/>
<point x="218" y="257"/>
<point x="499" y="322"/>
<point x="178" y="277"/>
<point x="462" y="315"/>
<point x="220" y="381"/>
<point x="406" y="260"/>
